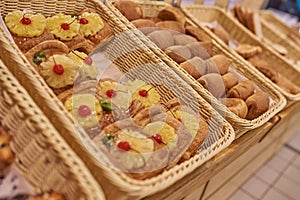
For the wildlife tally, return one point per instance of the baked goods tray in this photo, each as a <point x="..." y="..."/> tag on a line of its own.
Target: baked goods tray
<point x="128" y="53"/>
<point x="151" y="9"/>
<point x="241" y="35"/>
<point x="43" y="157"/>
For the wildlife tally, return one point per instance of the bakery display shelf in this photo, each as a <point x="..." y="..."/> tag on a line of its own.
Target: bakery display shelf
<point x="220" y="134"/>
<point x="151" y="9"/>
<point x="41" y="154"/>
<point x="208" y="14"/>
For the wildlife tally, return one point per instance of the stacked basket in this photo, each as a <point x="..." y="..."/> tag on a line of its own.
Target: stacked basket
<point x="240" y="125"/>
<point x="220" y="135"/>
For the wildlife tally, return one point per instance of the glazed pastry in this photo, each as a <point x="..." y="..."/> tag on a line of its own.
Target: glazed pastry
<point x="220" y="61"/>
<point x="264" y="68"/>
<point x="197" y="127"/>
<point x="143" y="92"/>
<point x="129" y="9"/>
<point x="229" y="80"/>
<point x="59" y="71"/>
<point x="195" y="67"/>
<point x="174" y="26"/>
<point x="63" y="27"/>
<point x="182" y="39"/>
<point x="85" y="63"/>
<point x="197" y="33"/>
<point x="44" y="50"/>
<point x="90" y="23"/>
<point x="201" y="49"/>
<point x="162" y="38"/>
<point x="213" y="83"/>
<point x="172" y="13"/>
<point x="178" y="53"/>
<point x="257" y="104"/>
<point x="242" y="90"/>
<point x="221" y="33"/>
<point x="236" y="105"/>
<point x="247" y="50"/>
<point x="79" y="42"/>
<point x="146" y="145"/>
<point x="6" y="154"/>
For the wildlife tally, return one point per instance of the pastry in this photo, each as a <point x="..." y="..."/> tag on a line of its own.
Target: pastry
<point x="182" y="39"/>
<point x="254" y="25"/>
<point x="229" y="80"/>
<point x="178" y="53"/>
<point x="173" y="26"/>
<point x="213" y="83"/>
<point x="129" y="9"/>
<point x="203" y="50"/>
<point x="195" y="67"/>
<point x="247" y="50"/>
<point x="59" y="71"/>
<point x="63" y="27"/>
<point x="242" y="90"/>
<point x="154" y="19"/>
<point x="236" y="105"/>
<point x="47" y="196"/>
<point x="44" y="50"/>
<point x="144" y="25"/>
<point x="162" y="38"/>
<point x="6" y="154"/>
<point x="145" y="145"/>
<point x="79" y="42"/>
<point x="197" y="33"/>
<point x="197" y="127"/>
<point x="287" y="85"/>
<point x="257" y="104"/>
<point x="103" y="35"/>
<point x="221" y="33"/>
<point x="172" y="13"/>
<point x="90" y="23"/>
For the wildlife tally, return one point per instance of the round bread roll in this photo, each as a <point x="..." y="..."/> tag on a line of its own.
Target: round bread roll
<point x="182" y="39"/>
<point x="172" y="13"/>
<point x="129" y="9"/>
<point x="229" y="80"/>
<point x="213" y="83"/>
<point x="197" y="33"/>
<point x="162" y="38"/>
<point x="221" y="33"/>
<point x="221" y="62"/>
<point x="257" y="103"/>
<point x="243" y="90"/>
<point x="144" y="25"/>
<point x="201" y="49"/>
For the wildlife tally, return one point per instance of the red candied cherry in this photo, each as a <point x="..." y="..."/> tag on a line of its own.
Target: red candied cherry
<point x="83" y="21"/>
<point x="143" y="93"/>
<point x="124" y="145"/>
<point x="26" y="21"/>
<point x="88" y="61"/>
<point x="157" y="138"/>
<point x="111" y="93"/>
<point x="84" y="111"/>
<point x="65" y="26"/>
<point x="58" y="69"/>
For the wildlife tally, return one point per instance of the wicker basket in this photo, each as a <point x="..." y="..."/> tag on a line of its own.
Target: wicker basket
<point x="240" y="125"/>
<point x="242" y="35"/>
<point x="43" y="157"/>
<point x="221" y="133"/>
<point x="278" y="24"/>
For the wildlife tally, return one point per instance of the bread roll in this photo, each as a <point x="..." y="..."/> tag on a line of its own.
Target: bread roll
<point x="236" y="105"/>
<point x="257" y="104"/>
<point x="197" y="33"/>
<point x="201" y="49"/>
<point x="195" y="67"/>
<point x="229" y="80"/>
<point x="264" y="68"/>
<point x="178" y="53"/>
<point x="221" y="62"/>
<point x="242" y="90"/>
<point x="287" y="85"/>
<point x="144" y="25"/>
<point x="174" y="26"/>
<point x="213" y="83"/>
<point x="182" y="39"/>
<point x="221" y="33"/>
<point x="129" y="9"/>
<point x="172" y="13"/>
<point x="162" y="38"/>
